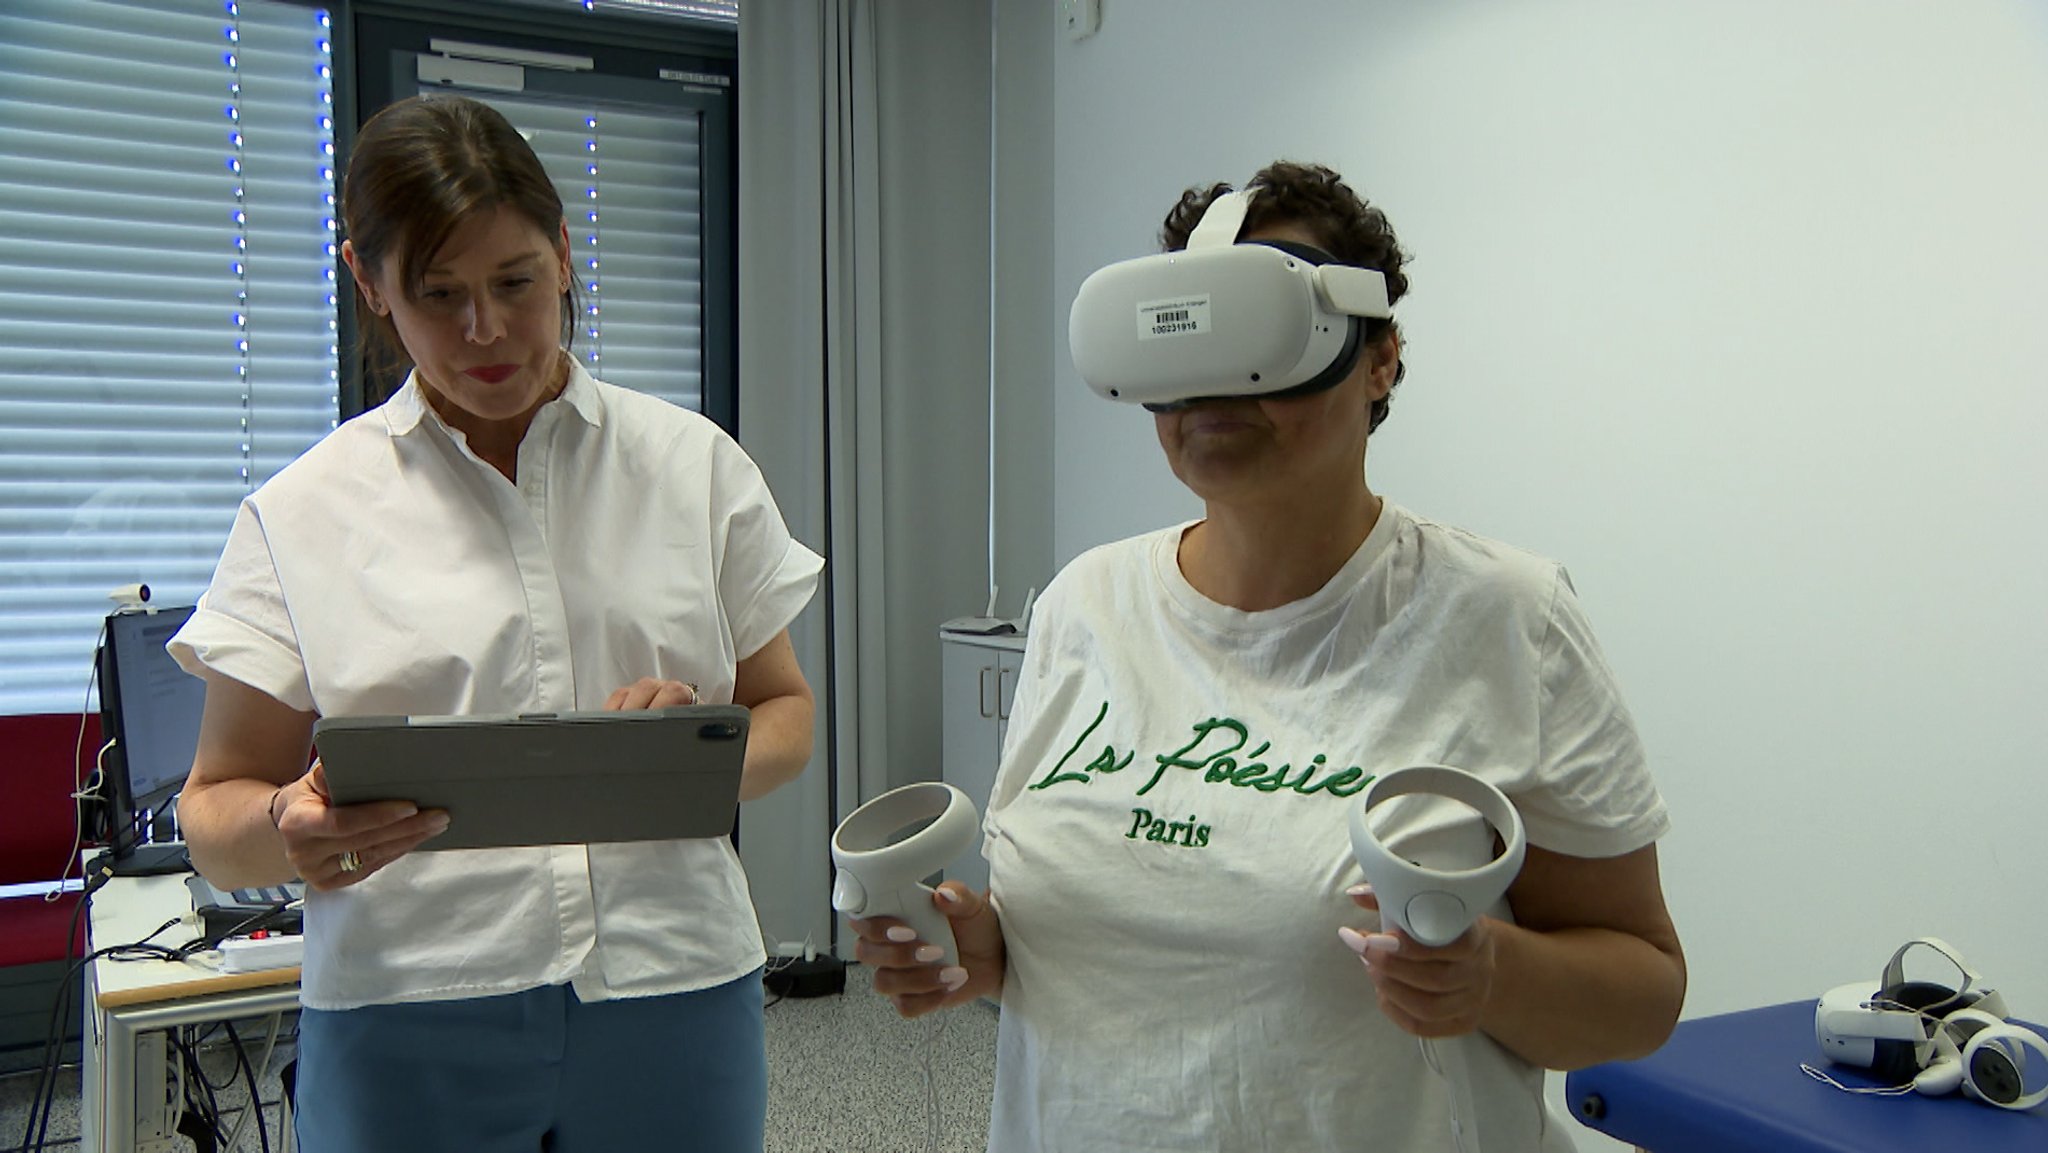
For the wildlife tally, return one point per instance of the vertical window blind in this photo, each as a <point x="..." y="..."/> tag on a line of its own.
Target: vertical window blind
<point x="167" y="301"/>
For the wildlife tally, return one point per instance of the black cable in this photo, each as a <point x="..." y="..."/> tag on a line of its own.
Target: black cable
<point x="146" y="948"/>
<point x="46" y="1088"/>
<point x="44" y="1098"/>
<point x="195" y="1038"/>
<point x="53" y="1046"/>
<point x="46" y="1068"/>
<point x="209" y="1109"/>
<point x="255" y="1093"/>
<point x="133" y="828"/>
<point x="216" y="1128"/>
<point x="198" y="1042"/>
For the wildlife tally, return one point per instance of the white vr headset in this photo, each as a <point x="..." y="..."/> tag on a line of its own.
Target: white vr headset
<point x="1222" y="319"/>
<point x="1931" y="1037"/>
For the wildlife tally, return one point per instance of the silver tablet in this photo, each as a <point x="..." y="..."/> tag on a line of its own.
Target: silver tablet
<point x="547" y="778"/>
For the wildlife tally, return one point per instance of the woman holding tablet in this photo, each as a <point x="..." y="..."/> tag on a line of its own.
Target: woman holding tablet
<point x="505" y="534"/>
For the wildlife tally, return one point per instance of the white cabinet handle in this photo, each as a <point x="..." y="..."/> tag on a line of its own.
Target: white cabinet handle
<point x="987" y="710"/>
<point x="1005" y="693"/>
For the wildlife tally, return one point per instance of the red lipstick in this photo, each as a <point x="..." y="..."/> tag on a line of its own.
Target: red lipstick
<point x="492" y="373"/>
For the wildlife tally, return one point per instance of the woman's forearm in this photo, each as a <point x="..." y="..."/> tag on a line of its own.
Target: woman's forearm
<point x="778" y="745"/>
<point x="250" y="746"/>
<point x="1570" y="998"/>
<point x="228" y="832"/>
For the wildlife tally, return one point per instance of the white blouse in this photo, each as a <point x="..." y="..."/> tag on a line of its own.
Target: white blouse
<point x="391" y="570"/>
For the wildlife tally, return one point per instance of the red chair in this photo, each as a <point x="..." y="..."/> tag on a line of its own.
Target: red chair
<point x="36" y="833"/>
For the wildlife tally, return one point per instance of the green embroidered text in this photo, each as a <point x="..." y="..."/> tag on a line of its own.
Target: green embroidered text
<point x="1213" y="751"/>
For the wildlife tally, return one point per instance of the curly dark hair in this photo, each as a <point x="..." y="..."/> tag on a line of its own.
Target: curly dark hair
<point x="1343" y="223"/>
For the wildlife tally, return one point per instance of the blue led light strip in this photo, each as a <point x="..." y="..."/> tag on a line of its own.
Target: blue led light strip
<point x="593" y="277"/>
<point x="240" y="218"/>
<point x="325" y="163"/>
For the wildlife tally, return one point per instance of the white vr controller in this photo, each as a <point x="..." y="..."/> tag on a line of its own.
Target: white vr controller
<point x="1436" y="906"/>
<point x="1985" y="1056"/>
<point x="880" y="875"/>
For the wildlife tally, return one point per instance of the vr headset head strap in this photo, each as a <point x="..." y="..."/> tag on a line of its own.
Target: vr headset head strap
<point x="1966" y="992"/>
<point x="1221" y="221"/>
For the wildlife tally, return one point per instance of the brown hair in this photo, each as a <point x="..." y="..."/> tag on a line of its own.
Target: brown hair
<point x="418" y="169"/>
<point x="1343" y="224"/>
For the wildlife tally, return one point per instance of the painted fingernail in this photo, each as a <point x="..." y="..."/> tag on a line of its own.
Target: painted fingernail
<point x="1353" y="939"/>
<point x="438" y="824"/>
<point x="952" y="977"/>
<point x="1359" y="891"/>
<point x="901" y="934"/>
<point x="1383" y="944"/>
<point x="926" y="954"/>
<point x="949" y="896"/>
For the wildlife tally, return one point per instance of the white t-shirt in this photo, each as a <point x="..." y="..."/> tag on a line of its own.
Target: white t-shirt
<point x="391" y="570"/>
<point x="1168" y="845"/>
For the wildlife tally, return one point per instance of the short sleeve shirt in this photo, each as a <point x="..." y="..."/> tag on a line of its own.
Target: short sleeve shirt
<point x="1169" y="851"/>
<point x="390" y="570"/>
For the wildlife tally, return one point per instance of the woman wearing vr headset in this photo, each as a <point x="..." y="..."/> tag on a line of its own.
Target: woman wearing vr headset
<point x="1175" y="926"/>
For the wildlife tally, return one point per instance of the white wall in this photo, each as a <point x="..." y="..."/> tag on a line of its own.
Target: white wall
<point x="1736" y="308"/>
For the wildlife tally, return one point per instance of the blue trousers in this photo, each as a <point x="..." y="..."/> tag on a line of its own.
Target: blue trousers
<point x="539" y="1070"/>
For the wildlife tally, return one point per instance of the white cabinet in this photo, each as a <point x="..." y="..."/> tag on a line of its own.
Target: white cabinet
<point x="979" y="675"/>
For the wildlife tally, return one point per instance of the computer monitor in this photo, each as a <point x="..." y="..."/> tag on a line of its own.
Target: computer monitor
<point x="149" y="710"/>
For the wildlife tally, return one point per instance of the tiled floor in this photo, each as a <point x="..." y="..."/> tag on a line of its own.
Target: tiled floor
<point x="845" y="1075"/>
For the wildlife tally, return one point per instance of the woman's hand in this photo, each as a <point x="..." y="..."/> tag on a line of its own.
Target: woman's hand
<point x="1440" y="992"/>
<point x="907" y="970"/>
<point x="649" y="693"/>
<point x="321" y="838"/>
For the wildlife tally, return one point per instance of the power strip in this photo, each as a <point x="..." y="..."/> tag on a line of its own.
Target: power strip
<point x="253" y="954"/>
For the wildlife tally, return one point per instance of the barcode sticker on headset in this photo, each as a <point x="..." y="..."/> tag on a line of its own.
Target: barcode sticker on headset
<point x="1179" y="317"/>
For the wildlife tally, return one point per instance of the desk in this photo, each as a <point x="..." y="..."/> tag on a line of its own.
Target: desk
<point x="1732" y="1084"/>
<point x="129" y="1004"/>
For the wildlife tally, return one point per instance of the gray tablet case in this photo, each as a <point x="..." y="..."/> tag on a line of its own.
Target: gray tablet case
<point x="547" y="778"/>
